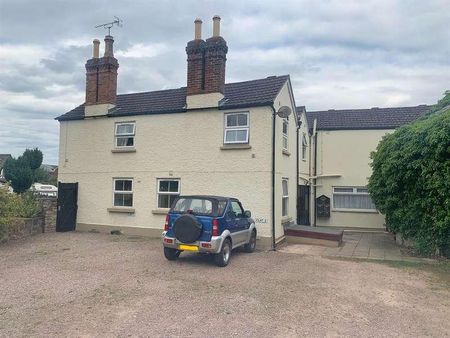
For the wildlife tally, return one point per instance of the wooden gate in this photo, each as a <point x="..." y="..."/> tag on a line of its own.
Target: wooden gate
<point x="303" y="205"/>
<point x="66" y="216"/>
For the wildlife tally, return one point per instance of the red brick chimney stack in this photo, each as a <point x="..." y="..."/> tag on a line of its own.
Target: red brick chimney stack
<point x="215" y="58"/>
<point x="101" y="75"/>
<point x="195" y="50"/>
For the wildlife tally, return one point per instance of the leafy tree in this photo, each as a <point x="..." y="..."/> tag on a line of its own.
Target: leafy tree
<point x="410" y="183"/>
<point x="32" y="157"/>
<point x="22" y="172"/>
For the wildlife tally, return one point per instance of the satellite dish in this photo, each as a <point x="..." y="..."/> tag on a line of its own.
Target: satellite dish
<point x="284" y="112"/>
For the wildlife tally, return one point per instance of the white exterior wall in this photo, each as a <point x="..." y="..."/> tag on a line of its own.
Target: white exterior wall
<point x="346" y="153"/>
<point x="304" y="164"/>
<point x="186" y="146"/>
<point x="286" y="162"/>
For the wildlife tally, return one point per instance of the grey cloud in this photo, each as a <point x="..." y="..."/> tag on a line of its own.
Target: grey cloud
<point x="339" y="54"/>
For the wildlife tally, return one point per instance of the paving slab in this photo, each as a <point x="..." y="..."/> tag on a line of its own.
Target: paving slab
<point x="373" y="245"/>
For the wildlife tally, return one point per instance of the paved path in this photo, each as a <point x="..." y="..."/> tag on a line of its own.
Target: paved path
<point x="368" y="245"/>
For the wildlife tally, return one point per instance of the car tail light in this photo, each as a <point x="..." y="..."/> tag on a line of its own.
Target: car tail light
<point x="166" y="225"/>
<point x="168" y="240"/>
<point x="206" y="245"/>
<point x="215" y="227"/>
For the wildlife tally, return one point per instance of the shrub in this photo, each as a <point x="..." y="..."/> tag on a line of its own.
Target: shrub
<point x="14" y="206"/>
<point x="410" y="183"/>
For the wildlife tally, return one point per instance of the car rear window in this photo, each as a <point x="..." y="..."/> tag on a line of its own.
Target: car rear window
<point x="199" y="206"/>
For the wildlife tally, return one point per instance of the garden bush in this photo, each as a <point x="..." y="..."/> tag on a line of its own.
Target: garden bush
<point x="410" y="183"/>
<point x="16" y="206"/>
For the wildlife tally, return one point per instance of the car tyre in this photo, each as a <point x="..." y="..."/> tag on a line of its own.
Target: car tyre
<point x="251" y="245"/>
<point x="171" y="254"/>
<point x="223" y="257"/>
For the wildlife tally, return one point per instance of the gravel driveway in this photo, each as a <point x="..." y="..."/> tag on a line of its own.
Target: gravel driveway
<point x="89" y="285"/>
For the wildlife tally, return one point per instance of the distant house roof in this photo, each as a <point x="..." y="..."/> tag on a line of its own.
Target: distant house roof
<point x="237" y="95"/>
<point x="3" y="158"/>
<point x="49" y="167"/>
<point x="374" y="118"/>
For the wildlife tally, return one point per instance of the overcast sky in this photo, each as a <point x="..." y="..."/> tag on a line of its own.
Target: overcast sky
<point x="340" y="54"/>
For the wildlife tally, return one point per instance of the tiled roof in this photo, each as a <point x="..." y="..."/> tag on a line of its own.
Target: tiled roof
<point x="237" y="95"/>
<point x="374" y="118"/>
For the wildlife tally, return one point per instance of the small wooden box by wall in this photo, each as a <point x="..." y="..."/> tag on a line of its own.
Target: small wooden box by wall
<point x="323" y="206"/>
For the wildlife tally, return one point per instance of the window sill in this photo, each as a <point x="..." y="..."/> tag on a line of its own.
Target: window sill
<point x="287" y="153"/>
<point x="124" y="150"/>
<point x="162" y="211"/>
<point x="235" y="147"/>
<point x="286" y="220"/>
<point x="121" y="210"/>
<point x="363" y="211"/>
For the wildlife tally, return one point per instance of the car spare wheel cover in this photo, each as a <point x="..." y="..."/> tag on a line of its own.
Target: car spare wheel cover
<point x="187" y="228"/>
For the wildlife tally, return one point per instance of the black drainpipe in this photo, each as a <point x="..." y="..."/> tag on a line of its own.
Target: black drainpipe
<point x="274" y="115"/>
<point x="298" y="166"/>
<point x="315" y="178"/>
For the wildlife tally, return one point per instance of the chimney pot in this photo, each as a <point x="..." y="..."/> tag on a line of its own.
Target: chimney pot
<point x="216" y="25"/>
<point x="198" y="29"/>
<point x="109" y="46"/>
<point x="96" y="49"/>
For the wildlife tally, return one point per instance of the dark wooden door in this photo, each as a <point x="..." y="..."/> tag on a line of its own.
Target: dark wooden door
<point x="303" y="205"/>
<point x="66" y="217"/>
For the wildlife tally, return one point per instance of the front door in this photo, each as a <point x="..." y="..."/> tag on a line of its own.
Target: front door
<point x="66" y="216"/>
<point x="303" y="205"/>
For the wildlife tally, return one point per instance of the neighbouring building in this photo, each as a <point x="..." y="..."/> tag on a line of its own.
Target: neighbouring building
<point x="3" y="158"/>
<point x="341" y="143"/>
<point x="124" y="158"/>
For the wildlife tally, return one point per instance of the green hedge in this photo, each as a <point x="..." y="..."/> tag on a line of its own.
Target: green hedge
<point x="410" y="183"/>
<point x="12" y="206"/>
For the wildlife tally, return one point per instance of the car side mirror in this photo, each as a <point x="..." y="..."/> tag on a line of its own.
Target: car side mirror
<point x="247" y="214"/>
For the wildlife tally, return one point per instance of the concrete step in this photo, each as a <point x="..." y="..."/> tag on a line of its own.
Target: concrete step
<point x="301" y="234"/>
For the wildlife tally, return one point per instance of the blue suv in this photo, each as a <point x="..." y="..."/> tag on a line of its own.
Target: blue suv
<point x="208" y="224"/>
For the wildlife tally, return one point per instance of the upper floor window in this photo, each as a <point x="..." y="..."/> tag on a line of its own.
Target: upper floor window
<point x="237" y="128"/>
<point x="285" y="133"/>
<point x="304" y="146"/>
<point x="124" y="134"/>
<point x="352" y="198"/>
<point x="168" y="191"/>
<point x="285" y="197"/>
<point x="123" y="192"/>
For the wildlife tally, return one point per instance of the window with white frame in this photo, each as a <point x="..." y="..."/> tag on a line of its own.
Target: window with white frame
<point x="124" y="134"/>
<point x="168" y="190"/>
<point x="237" y="128"/>
<point x="352" y="198"/>
<point x="285" y="197"/>
<point x="285" y="133"/>
<point x="304" y="146"/>
<point x="123" y="192"/>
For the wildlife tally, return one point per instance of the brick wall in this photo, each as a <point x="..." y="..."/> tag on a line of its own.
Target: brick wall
<point x="215" y="58"/>
<point x="206" y="65"/>
<point x="49" y="207"/>
<point x="195" y="50"/>
<point x="101" y="80"/>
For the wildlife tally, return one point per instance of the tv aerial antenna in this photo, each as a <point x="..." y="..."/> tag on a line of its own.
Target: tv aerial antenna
<point x="118" y="22"/>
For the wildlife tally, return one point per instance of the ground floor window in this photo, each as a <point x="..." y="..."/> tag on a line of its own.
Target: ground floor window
<point x="123" y="192"/>
<point x="168" y="190"/>
<point x="352" y="198"/>
<point x="285" y="198"/>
